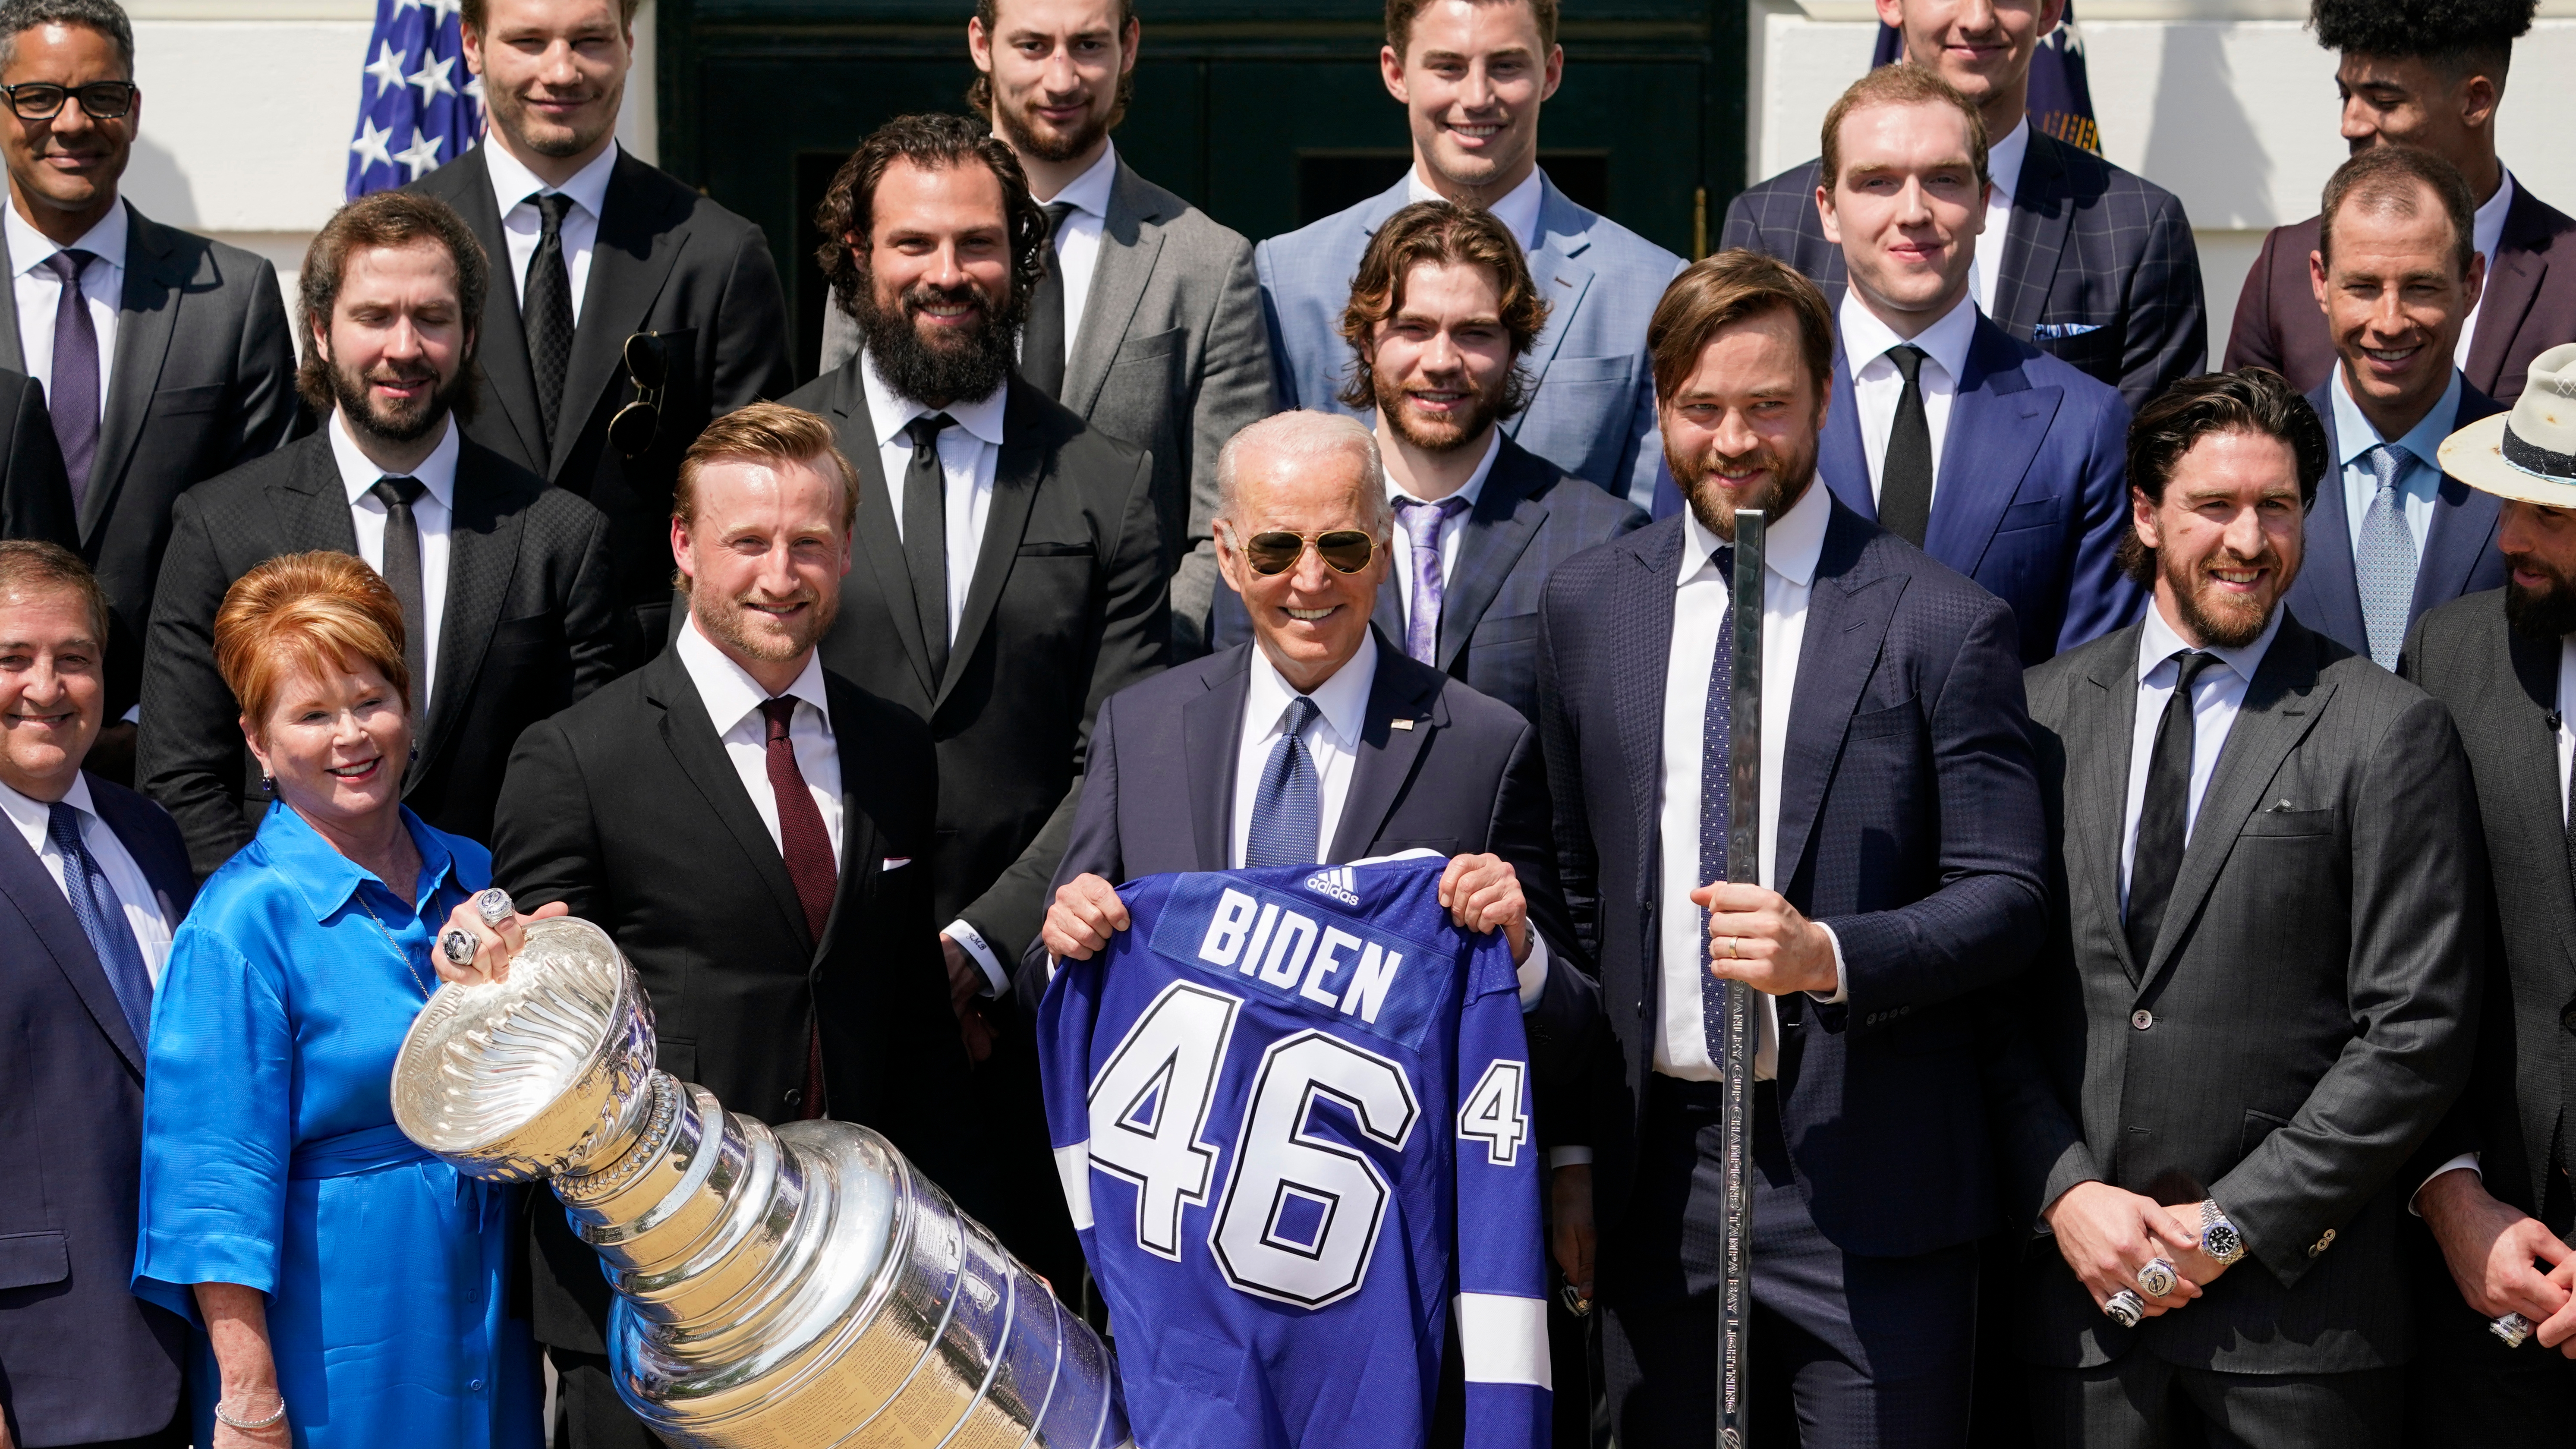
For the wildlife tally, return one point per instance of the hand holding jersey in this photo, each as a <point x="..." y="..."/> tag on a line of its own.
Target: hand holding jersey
<point x="1482" y="893"/>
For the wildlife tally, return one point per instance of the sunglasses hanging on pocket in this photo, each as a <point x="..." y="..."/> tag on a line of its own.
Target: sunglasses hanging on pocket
<point x="648" y="367"/>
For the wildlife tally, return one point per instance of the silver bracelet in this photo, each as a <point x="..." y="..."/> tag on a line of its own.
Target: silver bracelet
<point x="232" y="1422"/>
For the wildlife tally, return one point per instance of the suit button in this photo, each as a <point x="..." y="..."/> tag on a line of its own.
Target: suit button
<point x="2142" y="1018"/>
<point x="794" y="1097"/>
<point x="2321" y="1244"/>
<point x="2567" y="1018"/>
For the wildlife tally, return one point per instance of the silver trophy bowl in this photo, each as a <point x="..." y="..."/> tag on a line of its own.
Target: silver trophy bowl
<point x="795" y="1287"/>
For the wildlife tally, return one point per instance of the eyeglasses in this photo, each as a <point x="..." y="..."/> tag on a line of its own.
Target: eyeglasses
<point x="648" y="367"/>
<point x="99" y="100"/>
<point x="1345" y="550"/>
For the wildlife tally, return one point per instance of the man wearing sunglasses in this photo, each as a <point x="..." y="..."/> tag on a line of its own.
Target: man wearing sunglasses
<point x="165" y="358"/>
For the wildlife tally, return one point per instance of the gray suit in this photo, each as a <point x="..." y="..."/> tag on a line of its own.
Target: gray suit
<point x="1171" y="355"/>
<point x="203" y="381"/>
<point x="2304" y="1019"/>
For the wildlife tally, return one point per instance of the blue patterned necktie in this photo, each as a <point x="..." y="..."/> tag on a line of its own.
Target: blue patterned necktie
<point x="102" y="919"/>
<point x="1716" y="793"/>
<point x="1287" y="811"/>
<point x="2385" y="561"/>
<point x="1422" y="523"/>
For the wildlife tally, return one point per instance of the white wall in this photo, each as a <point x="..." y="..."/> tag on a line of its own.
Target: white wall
<point x="2229" y="103"/>
<point x="248" y="106"/>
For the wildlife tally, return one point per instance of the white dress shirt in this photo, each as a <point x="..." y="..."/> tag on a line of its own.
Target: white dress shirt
<point x="433" y="513"/>
<point x="2003" y="169"/>
<point x="2486" y="229"/>
<point x="2216" y="697"/>
<point x="1451" y="530"/>
<point x="2418" y="488"/>
<point x="1332" y="741"/>
<point x="513" y="186"/>
<point x="1517" y="209"/>
<point x="1877" y="387"/>
<point x="39" y="293"/>
<point x="1701" y="607"/>
<point x="147" y="912"/>
<point x="1077" y="237"/>
<point x="733" y="700"/>
<point x="968" y="454"/>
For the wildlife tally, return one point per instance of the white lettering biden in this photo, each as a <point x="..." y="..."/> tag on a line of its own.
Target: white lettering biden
<point x="1290" y="951"/>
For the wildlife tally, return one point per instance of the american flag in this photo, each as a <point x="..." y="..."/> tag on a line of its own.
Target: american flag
<point x="418" y="106"/>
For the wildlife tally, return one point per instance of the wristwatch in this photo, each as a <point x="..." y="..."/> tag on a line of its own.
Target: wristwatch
<point x="2218" y="1237"/>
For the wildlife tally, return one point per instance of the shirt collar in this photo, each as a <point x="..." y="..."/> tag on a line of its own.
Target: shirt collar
<point x="2355" y="436"/>
<point x="327" y="879"/>
<point x="2486" y="228"/>
<point x="729" y="692"/>
<point x="35" y="818"/>
<point x="2004" y="158"/>
<point x="105" y="241"/>
<point x="2158" y="643"/>
<point x="358" y="472"/>
<point x="1517" y="209"/>
<point x="1791" y="546"/>
<point x="1342" y="699"/>
<point x="890" y="411"/>
<point x="1089" y="192"/>
<point x="1866" y="338"/>
<point x="1471" y="490"/>
<point x="512" y="181"/>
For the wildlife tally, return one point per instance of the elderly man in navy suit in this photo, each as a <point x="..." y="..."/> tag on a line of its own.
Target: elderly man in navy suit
<point x="93" y="879"/>
<point x="1471" y="75"/>
<point x="1901" y="880"/>
<point x="1992" y="456"/>
<point x="2397" y="275"/>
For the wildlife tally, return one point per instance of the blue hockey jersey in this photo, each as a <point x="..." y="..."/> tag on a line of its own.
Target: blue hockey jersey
<point x="1291" y="1111"/>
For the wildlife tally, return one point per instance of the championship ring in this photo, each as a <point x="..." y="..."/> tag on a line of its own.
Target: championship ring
<point x="2156" y="1279"/>
<point x="457" y="944"/>
<point x="2513" y="1328"/>
<point x="494" y="906"/>
<point x="2125" y="1308"/>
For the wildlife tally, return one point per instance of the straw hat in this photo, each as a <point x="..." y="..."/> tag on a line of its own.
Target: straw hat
<point x="2528" y="453"/>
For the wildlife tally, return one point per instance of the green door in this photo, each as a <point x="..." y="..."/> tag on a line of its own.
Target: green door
<point x="1266" y="113"/>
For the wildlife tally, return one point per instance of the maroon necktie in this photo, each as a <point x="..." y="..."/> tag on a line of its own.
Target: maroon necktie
<point x="808" y="849"/>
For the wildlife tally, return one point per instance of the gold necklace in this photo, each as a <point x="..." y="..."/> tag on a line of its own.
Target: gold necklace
<point x="388" y="937"/>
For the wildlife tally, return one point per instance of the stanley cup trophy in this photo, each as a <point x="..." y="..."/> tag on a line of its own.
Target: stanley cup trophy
<point x="795" y="1287"/>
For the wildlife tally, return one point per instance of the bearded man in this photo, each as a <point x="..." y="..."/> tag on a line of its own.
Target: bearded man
<point x="504" y="582"/>
<point x="2261" y="988"/>
<point x="1900" y="878"/>
<point x="1008" y="577"/>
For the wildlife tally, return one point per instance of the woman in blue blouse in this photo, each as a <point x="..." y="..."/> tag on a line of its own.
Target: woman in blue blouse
<point x="349" y="1285"/>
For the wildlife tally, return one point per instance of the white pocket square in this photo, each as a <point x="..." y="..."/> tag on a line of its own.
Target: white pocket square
<point x="893" y="862"/>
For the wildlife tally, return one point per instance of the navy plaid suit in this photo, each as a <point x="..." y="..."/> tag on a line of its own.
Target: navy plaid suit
<point x="2092" y="247"/>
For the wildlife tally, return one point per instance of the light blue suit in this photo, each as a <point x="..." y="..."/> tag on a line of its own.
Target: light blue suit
<point x="1592" y="404"/>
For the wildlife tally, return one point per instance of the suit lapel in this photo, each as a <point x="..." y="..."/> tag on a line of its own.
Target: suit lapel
<point x="155" y="289"/>
<point x="1211" y="733"/>
<point x="2539" y="790"/>
<point x="312" y="501"/>
<point x="1556" y="265"/>
<point x="1840" y="456"/>
<point x="2462" y="536"/>
<point x="2097" y="798"/>
<point x="1997" y="424"/>
<point x="2281" y="705"/>
<point x="502" y="349"/>
<point x="2513" y="284"/>
<point x="13" y="353"/>
<point x="2328" y="588"/>
<point x="862" y="850"/>
<point x="1497" y="531"/>
<point x="880" y="546"/>
<point x="26" y="883"/>
<point x="1848" y="610"/>
<point x="1404" y="690"/>
<point x="627" y="267"/>
<point x="1647" y="588"/>
<point x="482" y="556"/>
<point x="1118" y="277"/>
<point x="2042" y="216"/>
<point x="693" y="744"/>
<point x="1017" y="475"/>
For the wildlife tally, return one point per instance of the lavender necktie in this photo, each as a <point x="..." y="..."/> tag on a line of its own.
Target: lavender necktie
<point x="73" y="398"/>
<point x="1422" y="612"/>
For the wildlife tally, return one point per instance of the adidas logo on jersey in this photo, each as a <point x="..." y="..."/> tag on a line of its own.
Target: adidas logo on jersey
<point x="1337" y="883"/>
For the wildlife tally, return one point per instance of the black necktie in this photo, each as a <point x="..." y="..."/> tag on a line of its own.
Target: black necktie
<point x="925" y="535"/>
<point x="1042" y="344"/>
<point x="402" y="575"/>
<point x="547" y="309"/>
<point x="2163" y="815"/>
<point x="1905" y="474"/>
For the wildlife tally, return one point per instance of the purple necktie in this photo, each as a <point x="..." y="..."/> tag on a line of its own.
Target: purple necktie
<point x="1422" y="612"/>
<point x="74" y="395"/>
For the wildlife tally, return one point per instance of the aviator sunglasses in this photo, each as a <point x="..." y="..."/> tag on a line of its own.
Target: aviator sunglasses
<point x="1344" y="550"/>
<point x="648" y="366"/>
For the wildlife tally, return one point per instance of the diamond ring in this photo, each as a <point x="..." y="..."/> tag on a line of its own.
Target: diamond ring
<point x="457" y="945"/>
<point x="494" y="906"/>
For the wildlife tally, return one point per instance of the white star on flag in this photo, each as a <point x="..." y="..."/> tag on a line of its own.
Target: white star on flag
<point x="432" y="78"/>
<point x="441" y="9"/>
<point x="370" y="145"/>
<point x="474" y="90"/>
<point x="386" y="67"/>
<point x="421" y="156"/>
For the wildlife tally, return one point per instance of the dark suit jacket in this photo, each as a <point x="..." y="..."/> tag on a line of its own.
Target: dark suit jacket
<point x="2309" y="1007"/>
<point x="526" y="631"/>
<point x="1522" y="527"/>
<point x="2459" y="549"/>
<point x="35" y="498"/>
<point x="2501" y="687"/>
<point x="2033" y="495"/>
<point x="203" y="381"/>
<point x="668" y="260"/>
<point x="2529" y="305"/>
<point x="1909" y="822"/>
<point x="626" y="809"/>
<point x="1067" y="607"/>
<point x="81" y="1358"/>
<point x="2099" y="267"/>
